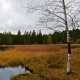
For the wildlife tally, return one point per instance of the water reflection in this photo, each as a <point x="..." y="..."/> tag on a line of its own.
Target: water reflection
<point x="7" y="72"/>
<point x="2" y="49"/>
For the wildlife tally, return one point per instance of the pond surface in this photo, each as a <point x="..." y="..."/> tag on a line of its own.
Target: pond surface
<point x="8" y="72"/>
<point x="2" y="48"/>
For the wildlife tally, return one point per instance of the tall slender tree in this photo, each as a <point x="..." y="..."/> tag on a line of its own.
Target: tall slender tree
<point x="33" y="38"/>
<point x="55" y="14"/>
<point x="19" y="37"/>
<point x="68" y="38"/>
<point x="40" y="37"/>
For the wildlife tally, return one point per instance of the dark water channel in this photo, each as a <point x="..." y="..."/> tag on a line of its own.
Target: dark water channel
<point x="7" y="72"/>
<point x="3" y="48"/>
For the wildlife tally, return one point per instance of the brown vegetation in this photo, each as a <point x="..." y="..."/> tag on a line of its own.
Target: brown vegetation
<point x="48" y="62"/>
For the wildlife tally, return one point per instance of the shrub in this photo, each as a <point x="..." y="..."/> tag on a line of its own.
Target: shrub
<point x="78" y="41"/>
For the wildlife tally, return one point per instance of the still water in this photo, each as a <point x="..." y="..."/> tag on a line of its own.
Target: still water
<point x="8" y="72"/>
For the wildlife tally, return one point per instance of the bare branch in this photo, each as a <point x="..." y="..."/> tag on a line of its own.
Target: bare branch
<point x="52" y="12"/>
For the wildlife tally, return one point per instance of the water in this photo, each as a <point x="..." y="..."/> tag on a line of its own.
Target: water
<point x="8" y="72"/>
<point x="2" y="49"/>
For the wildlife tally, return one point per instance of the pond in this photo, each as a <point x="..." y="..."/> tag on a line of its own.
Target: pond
<point x="3" y="48"/>
<point x="8" y="72"/>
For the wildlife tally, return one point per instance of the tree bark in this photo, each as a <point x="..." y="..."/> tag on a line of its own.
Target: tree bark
<point x="68" y="40"/>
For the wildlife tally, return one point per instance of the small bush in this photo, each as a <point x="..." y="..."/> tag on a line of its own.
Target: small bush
<point x="78" y="41"/>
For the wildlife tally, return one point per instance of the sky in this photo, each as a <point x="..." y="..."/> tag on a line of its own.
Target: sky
<point x="13" y="16"/>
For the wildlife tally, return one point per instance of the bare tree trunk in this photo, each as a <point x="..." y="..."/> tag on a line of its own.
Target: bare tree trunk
<point x="69" y="55"/>
<point x="68" y="40"/>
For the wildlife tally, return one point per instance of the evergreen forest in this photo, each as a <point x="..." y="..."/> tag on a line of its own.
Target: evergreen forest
<point x="7" y="38"/>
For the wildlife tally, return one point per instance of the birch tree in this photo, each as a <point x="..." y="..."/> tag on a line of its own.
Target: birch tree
<point x="57" y="15"/>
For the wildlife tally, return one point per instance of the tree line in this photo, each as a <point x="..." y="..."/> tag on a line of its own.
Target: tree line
<point x="38" y="38"/>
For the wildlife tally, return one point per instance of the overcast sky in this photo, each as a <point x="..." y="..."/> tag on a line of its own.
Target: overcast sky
<point x="13" y="16"/>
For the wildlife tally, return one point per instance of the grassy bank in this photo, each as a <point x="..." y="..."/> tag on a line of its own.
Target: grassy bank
<point x="48" y="62"/>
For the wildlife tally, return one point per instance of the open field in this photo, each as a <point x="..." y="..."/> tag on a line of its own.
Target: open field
<point x="48" y="62"/>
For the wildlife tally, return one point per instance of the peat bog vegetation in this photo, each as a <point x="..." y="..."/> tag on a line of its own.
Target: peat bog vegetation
<point x="47" y="62"/>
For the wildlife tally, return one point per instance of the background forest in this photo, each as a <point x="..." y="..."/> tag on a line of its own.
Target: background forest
<point x="38" y="38"/>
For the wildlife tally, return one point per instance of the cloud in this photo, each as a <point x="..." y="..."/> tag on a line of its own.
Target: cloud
<point x="13" y="16"/>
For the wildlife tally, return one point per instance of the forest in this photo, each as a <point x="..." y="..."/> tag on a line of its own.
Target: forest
<point x="7" y="38"/>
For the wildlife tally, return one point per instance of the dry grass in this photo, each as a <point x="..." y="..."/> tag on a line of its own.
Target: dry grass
<point x="22" y="53"/>
<point x="47" y="61"/>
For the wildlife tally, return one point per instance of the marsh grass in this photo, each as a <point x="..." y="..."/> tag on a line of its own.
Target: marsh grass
<point x="48" y="62"/>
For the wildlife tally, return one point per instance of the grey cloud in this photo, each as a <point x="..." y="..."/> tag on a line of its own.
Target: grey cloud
<point x="13" y="15"/>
